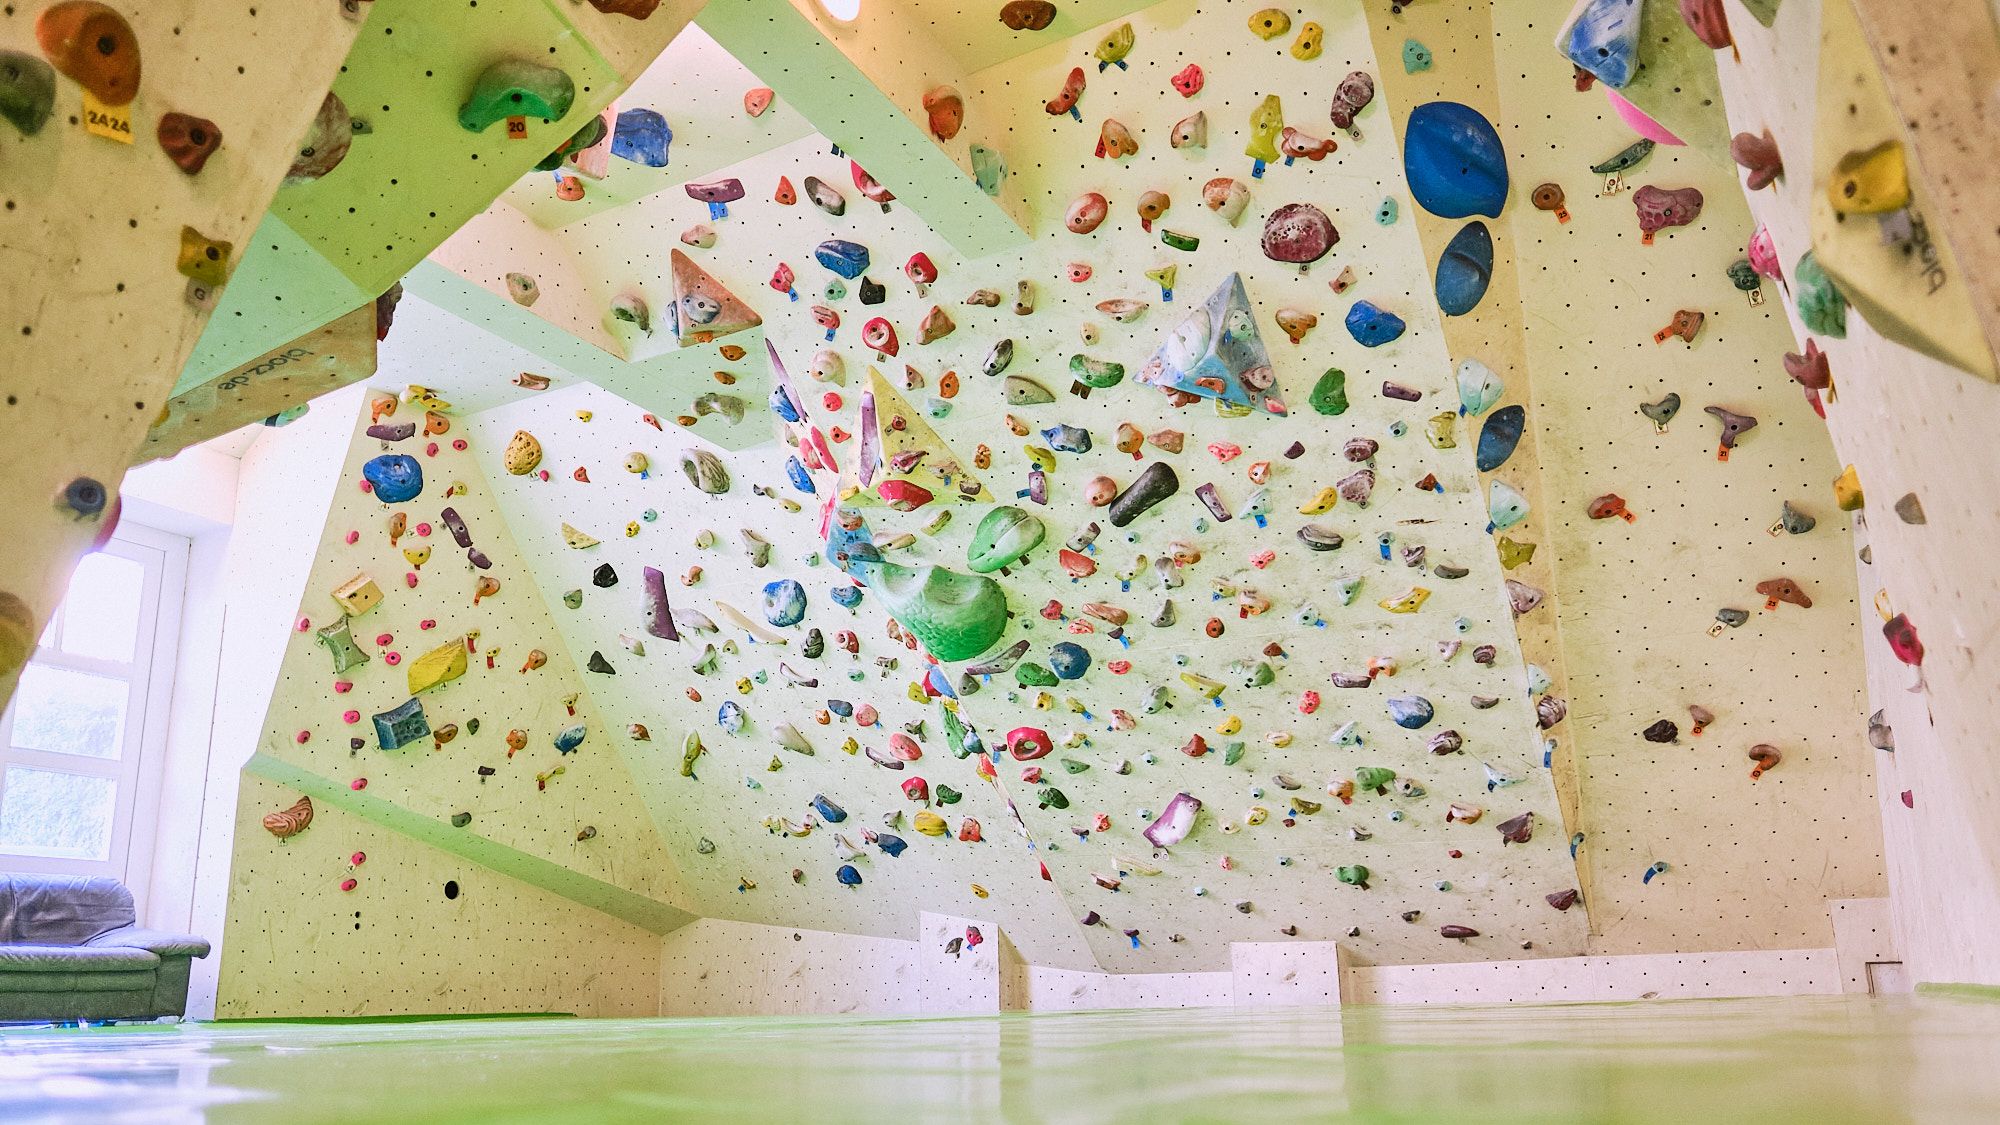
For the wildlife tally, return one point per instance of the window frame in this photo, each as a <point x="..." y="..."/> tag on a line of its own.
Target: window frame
<point x="163" y="557"/>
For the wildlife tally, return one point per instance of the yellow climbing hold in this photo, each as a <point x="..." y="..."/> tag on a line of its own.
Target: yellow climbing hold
<point x="931" y="824"/>
<point x="1323" y="501"/>
<point x="1270" y="23"/>
<point x="1875" y="182"/>
<point x="1409" y="601"/>
<point x="439" y="666"/>
<point x="1847" y="490"/>
<point x="1307" y="46"/>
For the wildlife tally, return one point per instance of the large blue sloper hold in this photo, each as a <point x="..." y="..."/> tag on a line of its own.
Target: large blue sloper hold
<point x="848" y="259"/>
<point x="1603" y="38"/>
<point x="642" y="136"/>
<point x="1465" y="270"/>
<point x="1454" y="161"/>
<point x="395" y="477"/>
<point x="1499" y="436"/>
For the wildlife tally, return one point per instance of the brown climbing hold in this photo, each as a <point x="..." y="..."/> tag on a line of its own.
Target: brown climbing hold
<point x="188" y="140"/>
<point x="17" y="633"/>
<point x="1777" y="590"/>
<point x="325" y="144"/>
<point x="288" y="823"/>
<point x="93" y="46"/>
<point x="637" y="9"/>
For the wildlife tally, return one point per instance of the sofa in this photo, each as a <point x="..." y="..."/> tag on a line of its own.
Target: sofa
<point x="71" y="949"/>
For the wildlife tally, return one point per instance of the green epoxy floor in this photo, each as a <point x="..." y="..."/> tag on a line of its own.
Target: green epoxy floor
<point x="1819" y="1060"/>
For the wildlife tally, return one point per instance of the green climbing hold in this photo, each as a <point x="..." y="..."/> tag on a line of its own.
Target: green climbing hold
<point x="27" y="91"/>
<point x="1232" y="753"/>
<point x="1029" y="673"/>
<point x="955" y="616"/>
<point x="1329" y="395"/>
<point x="1003" y="538"/>
<point x="516" y="88"/>
<point x="1071" y="765"/>
<point x="1354" y="876"/>
<point x="1821" y="307"/>
<point x="1096" y="373"/>
<point x="946" y="795"/>
<point x="1374" y="777"/>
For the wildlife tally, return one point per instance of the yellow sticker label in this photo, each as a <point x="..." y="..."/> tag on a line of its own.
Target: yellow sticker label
<point x="107" y="121"/>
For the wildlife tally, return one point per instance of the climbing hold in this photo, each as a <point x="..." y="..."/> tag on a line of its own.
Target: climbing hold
<point x="1311" y="40"/>
<point x="1767" y="758"/>
<point x="1478" y="387"/>
<point x="1661" y="208"/>
<point x="1734" y="426"/>
<point x="1549" y="197"/>
<point x="1454" y="161"/>
<point x="1298" y="234"/>
<point x="1115" y="141"/>
<point x="1371" y="326"/>
<point x="1777" y="590"/>
<point x="1874" y="182"/>
<point x="1517" y="830"/>
<point x="989" y="168"/>
<point x="394" y="477"/>
<point x="1112" y="49"/>
<point x="93" y="46"/>
<point x="1465" y="270"/>
<point x="1269" y="23"/>
<point x="203" y="259"/>
<point x="1499" y="436"/>
<point x="718" y="194"/>
<point x="1175" y="822"/>
<point x="1821" y="307"/>
<point x="188" y="141"/>
<point x="1758" y="155"/>
<point x="516" y="88"/>
<point x="1027" y="15"/>
<point x="1410" y="711"/>
<point x="1603" y="39"/>
<point x="946" y="110"/>
<point x="1190" y="131"/>
<point x="1226" y="197"/>
<point x="643" y="137"/>
<point x="401" y="725"/>
<point x="1155" y="484"/>
<point x="1416" y="57"/>
<point x="1505" y="506"/>
<point x="27" y="91"/>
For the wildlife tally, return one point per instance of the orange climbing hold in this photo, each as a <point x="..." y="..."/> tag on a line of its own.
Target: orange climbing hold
<point x="93" y="46"/>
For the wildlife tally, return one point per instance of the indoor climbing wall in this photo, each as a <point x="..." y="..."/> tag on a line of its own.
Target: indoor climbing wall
<point x="425" y="690"/>
<point x="1345" y="541"/>
<point x="1646" y="605"/>
<point x="142" y="143"/>
<point x="759" y="818"/>
<point x="438" y="109"/>
<point x="423" y="932"/>
<point x="1912" y="425"/>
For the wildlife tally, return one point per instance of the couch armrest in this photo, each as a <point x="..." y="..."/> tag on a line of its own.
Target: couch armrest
<point x="155" y="941"/>
<point x="76" y="959"/>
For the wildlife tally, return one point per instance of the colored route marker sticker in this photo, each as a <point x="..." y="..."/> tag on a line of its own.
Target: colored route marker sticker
<point x="114" y="122"/>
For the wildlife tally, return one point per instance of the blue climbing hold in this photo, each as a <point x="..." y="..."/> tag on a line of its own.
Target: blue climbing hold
<point x="890" y="843"/>
<point x="1410" y="711"/>
<point x="847" y="597"/>
<point x="848" y="876"/>
<point x="1068" y="660"/>
<point x="848" y="259"/>
<point x="1465" y="270"/>
<point x="569" y="738"/>
<point x="1499" y="436"/>
<point x="642" y="136"/>
<point x="827" y="810"/>
<point x="1604" y="40"/>
<point x="784" y="406"/>
<point x="730" y="717"/>
<point x="784" y="602"/>
<point x="801" y="479"/>
<point x="1371" y="326"/>
<point x="1454" y="161"/>
<point x="840" y="707"/>
<point x="395" y="477"/>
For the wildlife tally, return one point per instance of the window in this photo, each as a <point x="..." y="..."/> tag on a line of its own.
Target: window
<point x="90" y="713"/>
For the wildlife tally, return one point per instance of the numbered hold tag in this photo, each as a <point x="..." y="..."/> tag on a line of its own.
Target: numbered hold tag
<point x="1715" y="630"/>
<point x="1756" y="297"/>
<point x="517" y="128"/>
<point x="102" y="120"/>
<point x="201" y="296"/>
<point x="1613" y="184"/>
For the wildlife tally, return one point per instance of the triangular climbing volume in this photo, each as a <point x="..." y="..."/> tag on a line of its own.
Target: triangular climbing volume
<point x="704" y="308"/>
<point x="1216" y="352"/>
<point x="913" y="456"/>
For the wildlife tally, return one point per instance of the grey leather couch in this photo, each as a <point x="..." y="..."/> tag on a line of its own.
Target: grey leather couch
<point x="70" y="949"/>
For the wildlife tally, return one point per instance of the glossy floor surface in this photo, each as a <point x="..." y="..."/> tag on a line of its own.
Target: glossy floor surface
<point x="1821" y="1060"/>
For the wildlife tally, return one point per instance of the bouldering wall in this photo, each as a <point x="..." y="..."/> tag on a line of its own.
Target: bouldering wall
<point x="423" y="932"/>
<point x="1751" y="863"/>
<point x="739" y="815"/>
<point x="112" y="231"/>
<point x="1273" y="764"/>
<point x="433" y="89"/>
<point x="1916" y="431"/>
<point x="425" y="691"/>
